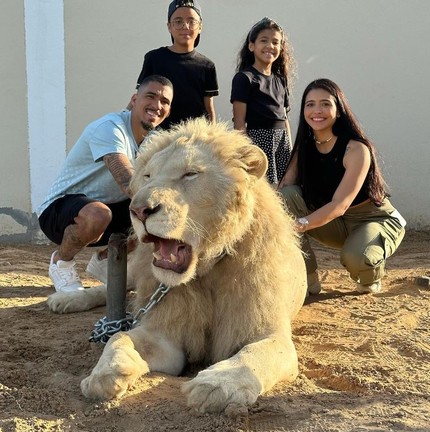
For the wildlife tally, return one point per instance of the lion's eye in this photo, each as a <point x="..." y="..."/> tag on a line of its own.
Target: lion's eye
<point x="191" y="175"/>
<point x="146" y="176"/>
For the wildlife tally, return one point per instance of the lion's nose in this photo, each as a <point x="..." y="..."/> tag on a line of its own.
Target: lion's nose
<point x="142" y="213"/>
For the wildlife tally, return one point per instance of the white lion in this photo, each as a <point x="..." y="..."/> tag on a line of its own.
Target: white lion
<point x="210" y="227"/>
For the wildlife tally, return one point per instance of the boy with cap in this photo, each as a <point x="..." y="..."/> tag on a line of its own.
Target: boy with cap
<point x="193" y="75"/>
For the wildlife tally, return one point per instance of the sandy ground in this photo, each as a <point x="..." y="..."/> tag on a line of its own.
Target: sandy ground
<point x="364" y="360"/>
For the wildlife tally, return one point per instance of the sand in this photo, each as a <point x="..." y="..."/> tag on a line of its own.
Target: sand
<point x="364" y="359"/>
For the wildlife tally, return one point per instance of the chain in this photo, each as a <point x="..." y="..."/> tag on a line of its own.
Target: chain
<point x="161" y="291"/>
<point x="104" y="329"/>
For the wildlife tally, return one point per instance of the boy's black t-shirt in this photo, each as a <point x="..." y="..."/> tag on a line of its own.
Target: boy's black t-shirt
<point x="193" y="77"/>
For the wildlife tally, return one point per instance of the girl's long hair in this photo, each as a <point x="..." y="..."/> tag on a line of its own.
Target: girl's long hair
<point x="345" y="125"/>
<point x="284" y="65"/>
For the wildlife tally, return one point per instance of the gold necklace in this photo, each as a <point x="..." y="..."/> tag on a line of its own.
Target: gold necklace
<point x="323" y="142"/>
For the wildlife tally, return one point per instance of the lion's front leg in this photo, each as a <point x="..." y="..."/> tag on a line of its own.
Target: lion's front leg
<point x="240" y="379"/>
<point x="126" y="357"/>
<point x="118" y="368"/>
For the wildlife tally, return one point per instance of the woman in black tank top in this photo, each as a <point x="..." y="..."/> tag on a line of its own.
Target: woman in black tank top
<point x="334" y="186"/>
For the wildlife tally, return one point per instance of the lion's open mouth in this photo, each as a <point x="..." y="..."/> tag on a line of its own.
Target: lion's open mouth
<point x="170" y="254"/>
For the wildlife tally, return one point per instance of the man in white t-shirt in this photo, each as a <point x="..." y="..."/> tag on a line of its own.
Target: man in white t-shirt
<point x="90" y="198"/>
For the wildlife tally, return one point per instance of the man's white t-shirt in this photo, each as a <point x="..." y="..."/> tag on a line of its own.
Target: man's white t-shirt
<point x="84" y="171"/>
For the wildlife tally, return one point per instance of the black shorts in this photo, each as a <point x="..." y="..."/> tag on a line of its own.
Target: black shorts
<point x="62" y="212"/>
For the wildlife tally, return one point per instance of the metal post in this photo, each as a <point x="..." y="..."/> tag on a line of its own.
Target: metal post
<point x="116" y="278"/>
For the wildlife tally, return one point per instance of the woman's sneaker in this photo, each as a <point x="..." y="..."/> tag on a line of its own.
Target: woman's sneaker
<point x="373" y="288"/>
<point x="64" y="276"/>
<point x="98" y="268"/>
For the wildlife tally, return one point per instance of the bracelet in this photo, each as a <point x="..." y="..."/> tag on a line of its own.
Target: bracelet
<point x="302" y="221"/>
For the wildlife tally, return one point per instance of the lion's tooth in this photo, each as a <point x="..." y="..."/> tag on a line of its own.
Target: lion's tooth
<point x="173" y="258"/>
<point x="157" y="255"/>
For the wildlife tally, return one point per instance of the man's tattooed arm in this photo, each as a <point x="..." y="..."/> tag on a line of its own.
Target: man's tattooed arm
<point x="121" y="170"/>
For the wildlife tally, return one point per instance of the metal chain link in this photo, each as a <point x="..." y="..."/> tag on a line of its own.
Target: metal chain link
<point x="161" y="291"/>
<point x="104" y="329"/>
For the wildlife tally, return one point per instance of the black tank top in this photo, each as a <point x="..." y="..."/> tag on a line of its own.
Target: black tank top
<point x="323" y="174"/>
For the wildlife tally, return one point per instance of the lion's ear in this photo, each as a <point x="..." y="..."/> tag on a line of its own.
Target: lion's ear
<point x="254" y="160"/>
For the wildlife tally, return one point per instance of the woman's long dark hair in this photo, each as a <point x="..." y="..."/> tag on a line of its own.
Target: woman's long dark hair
<point x="284" y="65"/>
<point x="345" y="125"/>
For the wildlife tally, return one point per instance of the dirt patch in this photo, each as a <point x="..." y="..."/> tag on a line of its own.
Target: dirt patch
<point x="364" y="360"/>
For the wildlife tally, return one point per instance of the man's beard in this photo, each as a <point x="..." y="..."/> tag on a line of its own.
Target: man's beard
<point x="146" y="126"/>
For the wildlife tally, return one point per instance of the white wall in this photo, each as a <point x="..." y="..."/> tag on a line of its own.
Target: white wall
<point x="376" y="50"/>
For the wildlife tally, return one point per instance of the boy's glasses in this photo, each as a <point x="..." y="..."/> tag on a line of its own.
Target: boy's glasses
<point x="191" y="23"/>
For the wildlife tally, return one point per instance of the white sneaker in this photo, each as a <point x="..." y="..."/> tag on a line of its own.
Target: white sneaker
<point x="64" y="276"/>
<point x="314" y="285"/>
<point x="373" y="288"/>
<point x="98" y="268"/>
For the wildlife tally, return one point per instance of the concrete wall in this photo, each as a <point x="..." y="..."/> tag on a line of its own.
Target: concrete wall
<point x="374" y="49"/>
<point x="15" y="207"/>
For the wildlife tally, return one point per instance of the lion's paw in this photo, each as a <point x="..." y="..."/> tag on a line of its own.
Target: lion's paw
<point x="116" y="371"/>
<point x="214" y="391"/>
<point x="77" y="301"/>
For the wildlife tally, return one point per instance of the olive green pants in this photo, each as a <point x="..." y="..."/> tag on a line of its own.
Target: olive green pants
<point x="365" y="235"/>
